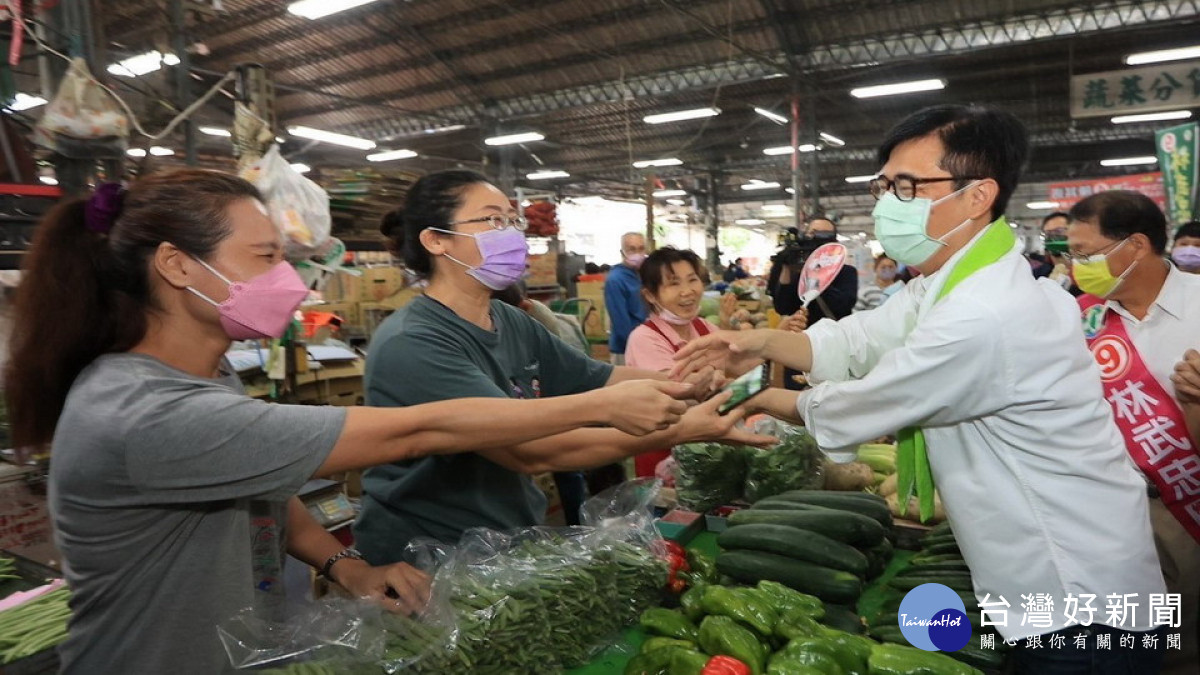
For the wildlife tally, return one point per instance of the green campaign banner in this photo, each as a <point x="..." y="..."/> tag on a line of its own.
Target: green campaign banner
<point x="1179" y="160"/>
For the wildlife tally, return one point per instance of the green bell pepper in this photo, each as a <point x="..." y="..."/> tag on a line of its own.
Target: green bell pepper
<point x="735" y="603"/>
<point x="890" y="659"/>
<point x="722" y="635"/>
<point x="687" y="662"/>
<point x="668" y="623"/>
<point x="690" y="602"/>
<point x="654" y="643"/>
<point x="704" y="569"/>
<point x="796" y="625"/>
<point x="785" y="666"/>
<point x="814" y="652"/>
<point x="657" y="662"/>
<point x="788" y="600"/>
<point x="851" y="651"/>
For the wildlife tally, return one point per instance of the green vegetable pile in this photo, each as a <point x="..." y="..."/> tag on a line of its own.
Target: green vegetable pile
<point x="709" y="475"/>
<point x="34" y="626"/>
<point x="542" y="606"/>
<point x="773" y="630"/>
<point x="939" y="561"/>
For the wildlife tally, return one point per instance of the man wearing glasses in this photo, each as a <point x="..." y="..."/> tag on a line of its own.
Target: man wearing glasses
<point x="1140" y="317"/>
<point x="979" y="370"/>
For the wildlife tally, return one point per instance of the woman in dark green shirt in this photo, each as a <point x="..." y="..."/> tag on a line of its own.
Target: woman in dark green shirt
<point x="463" y="235"/>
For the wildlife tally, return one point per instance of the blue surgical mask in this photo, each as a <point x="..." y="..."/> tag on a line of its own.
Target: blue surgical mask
<point x="901" y="226"/>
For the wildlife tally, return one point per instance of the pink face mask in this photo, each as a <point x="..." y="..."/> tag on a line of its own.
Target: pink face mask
<point x="261" y="307"/>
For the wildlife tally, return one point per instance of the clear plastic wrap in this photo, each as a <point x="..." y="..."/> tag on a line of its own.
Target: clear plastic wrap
<point x="708" y="475"/>
<point x="298" y="206"/>
<point x="536" y="600"/>
<point x="332" y="630"/>
<point x="796" y="463"/>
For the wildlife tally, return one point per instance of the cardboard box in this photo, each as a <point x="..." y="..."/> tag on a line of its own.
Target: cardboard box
<point x="380" y="282"/>
<point x="543" y="269"/>
<point x="24" y="515"/>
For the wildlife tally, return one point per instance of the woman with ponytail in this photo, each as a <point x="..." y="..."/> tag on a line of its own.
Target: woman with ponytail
<point x="172" y="492"/>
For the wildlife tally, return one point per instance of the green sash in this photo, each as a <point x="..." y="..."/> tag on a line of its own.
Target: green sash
<point x="912" y="461"/>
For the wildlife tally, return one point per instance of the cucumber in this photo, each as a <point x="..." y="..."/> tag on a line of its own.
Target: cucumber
<point x="983" y="659"/>
<point x="928" y="541"/>
<point x="794" y="543"/>
<point x="829" y="585"/>
<point x="941" y="566"/>
<point x="843" y="618"/>
<point x="944" y="548"/>
<point x="924" y="558"/>
<point x="941" y="528"/>
<point x="957" y="582"/>
<point x="771" y="503"/>
<point x="868" y="505"/>
<point x="844" y="526"/>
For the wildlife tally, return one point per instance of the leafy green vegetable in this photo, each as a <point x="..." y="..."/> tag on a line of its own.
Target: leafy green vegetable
<point x="709" y="475"/>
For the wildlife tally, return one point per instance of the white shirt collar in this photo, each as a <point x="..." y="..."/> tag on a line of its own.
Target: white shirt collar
<point x="1171" y="297"/>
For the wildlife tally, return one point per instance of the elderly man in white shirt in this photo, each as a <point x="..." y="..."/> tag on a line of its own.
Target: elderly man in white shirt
<point x="997" y="399"/>
<point x="1141" y="315"/>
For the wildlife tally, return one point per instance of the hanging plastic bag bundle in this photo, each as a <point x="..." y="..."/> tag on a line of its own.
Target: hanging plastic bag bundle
<point x="83" y="121"/>
<point x="297" y="205"/>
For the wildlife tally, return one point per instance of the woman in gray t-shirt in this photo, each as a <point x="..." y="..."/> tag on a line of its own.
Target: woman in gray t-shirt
<point x="172" y="492"/>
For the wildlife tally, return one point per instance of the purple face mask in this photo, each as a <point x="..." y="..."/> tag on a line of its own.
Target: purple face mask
<point x="1186" y="256"/>
<point x="503" y="253"/>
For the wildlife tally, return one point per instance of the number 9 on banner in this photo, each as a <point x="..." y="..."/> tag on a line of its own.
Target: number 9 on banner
<point x="1112" y="355"/>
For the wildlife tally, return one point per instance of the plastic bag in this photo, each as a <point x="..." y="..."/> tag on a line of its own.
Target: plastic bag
<point x="796" y="463"/>
<point x="83" y="121"/>
<point x="332" y="629"/>
<point x="709" y="475"/>
<point x="297" y="205"/>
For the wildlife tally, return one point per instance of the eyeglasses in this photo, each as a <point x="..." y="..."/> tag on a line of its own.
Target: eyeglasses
<point x="905" y="186"/>
<point x="497" y="222"/>
<point x="1084" y="257"/>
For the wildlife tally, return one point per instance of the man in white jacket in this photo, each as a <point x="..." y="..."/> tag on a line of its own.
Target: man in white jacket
<point x="982" y="373"/>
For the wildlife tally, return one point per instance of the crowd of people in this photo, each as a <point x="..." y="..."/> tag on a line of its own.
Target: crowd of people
<point x="1066" y="467"/>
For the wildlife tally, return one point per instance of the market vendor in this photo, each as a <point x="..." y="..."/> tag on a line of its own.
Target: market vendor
<point x="172" y="492"/>
<point x="673" y="284"/>
<point x="1006" y="417"/>
<point x="461" y="233"/>
<point x="1140" y="317"/>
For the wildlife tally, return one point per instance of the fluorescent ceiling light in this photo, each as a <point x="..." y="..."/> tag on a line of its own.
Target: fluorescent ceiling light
<point x="48" y="180"/>
<point x="773" y="116"/>
<point x="513" y="139"/>
<point x="315" y="9"/>
<point x="1041" y="206"/>
<point x="1153" y="117"/>
<point x="676" y="202"/>
<point x="859" y="179"/>
<point x="546" y="175"/>
<point x="790" y="191"/>
<point x="143" y="64"/>
<point x="300" y="168"/>
<point x="390" y="155"/>
<point x="787" y="149"/>
<point x="157" y="151"/>
<point x="1163" y="55"/>
<point x="330" y="137"/>
<point x="681" y="115"/>
<point x="646" y="163"/>
<point x="669" y="193"/>
<point x="750" y="221"/>
<point x="1129" y="161"/>
<point x="442" y="130"/>
<point x="215" y="131"/>
<point x="898" y="88"/>
<point x="760" y="185"/>
<point x="25" y="102"/>
<point x="831" y="139"/>
<point x="777" y="208"/>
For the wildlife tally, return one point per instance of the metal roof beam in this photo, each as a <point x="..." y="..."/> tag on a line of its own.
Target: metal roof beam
<point x="948" y="40"/>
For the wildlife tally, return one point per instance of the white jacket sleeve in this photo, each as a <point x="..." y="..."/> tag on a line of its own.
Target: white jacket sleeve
<point x="949" y="370"/>
<point x="850" y="348"/>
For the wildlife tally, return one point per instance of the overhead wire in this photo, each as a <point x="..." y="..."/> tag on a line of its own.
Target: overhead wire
<point x="134" y="122"/>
